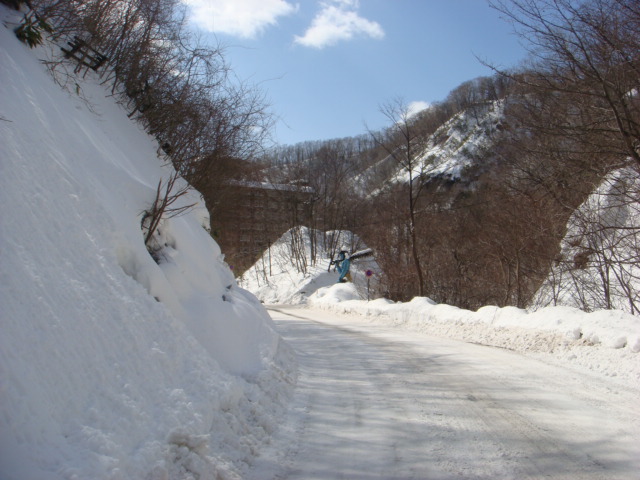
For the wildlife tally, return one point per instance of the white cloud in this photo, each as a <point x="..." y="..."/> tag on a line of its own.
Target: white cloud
<point x="416" y="107"/>
<point x="338" y="20"/>
<point x="242" y="18"/>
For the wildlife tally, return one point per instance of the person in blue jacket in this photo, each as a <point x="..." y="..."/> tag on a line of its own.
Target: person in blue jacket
<point x="342" y="264"/>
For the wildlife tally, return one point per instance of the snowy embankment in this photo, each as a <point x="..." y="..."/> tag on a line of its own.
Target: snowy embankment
<point x="113" y="365"/>
<point x="602" y="237"/>
<point x="606" y="342"/>
<point x="287" y="274"/>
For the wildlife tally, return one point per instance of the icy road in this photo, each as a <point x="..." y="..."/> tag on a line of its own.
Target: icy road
<point x="375" y="403"/>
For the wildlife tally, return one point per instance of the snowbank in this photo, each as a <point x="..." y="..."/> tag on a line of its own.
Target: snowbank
<point x="606" y="341"/>
<point x="562" y="330"/>
<point x="113" y="365"/>
<point x="286" y="273"/>
<point x="598" y="260"/>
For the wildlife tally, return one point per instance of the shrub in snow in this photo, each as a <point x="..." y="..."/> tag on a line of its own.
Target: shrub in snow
<point x="31" y="28"/>
<point x="163" y="207"/>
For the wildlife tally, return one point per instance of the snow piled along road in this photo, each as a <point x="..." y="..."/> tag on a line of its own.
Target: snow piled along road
<point x="113" y="366"/>
<point x="377" y="402"/>
<point x="604" y="341"/>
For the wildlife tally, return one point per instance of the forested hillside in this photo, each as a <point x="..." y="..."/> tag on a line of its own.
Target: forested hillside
<point x="468" y="201"/>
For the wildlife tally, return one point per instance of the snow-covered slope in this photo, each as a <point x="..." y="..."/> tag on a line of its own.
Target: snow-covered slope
<point x="606" y="341"/>
<point x="289" y="272"/>
<point x="598" y="262"/>
<point x="456" y="145"/>
<point x="113" y="366"/>
<point x="461" y="141"/>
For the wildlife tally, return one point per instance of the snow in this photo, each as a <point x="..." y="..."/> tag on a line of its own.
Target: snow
<point x="458" y="143"/>
<point x="602" y="233"/>
<point x="278" y="278"/>
<point x="114" y="366"/>
<point x="111" y="365"/>
<point x="378" y="401"/>
<point x="604" y="341"/>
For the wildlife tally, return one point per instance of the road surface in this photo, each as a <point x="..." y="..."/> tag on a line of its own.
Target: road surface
<point x="376" y="403"/>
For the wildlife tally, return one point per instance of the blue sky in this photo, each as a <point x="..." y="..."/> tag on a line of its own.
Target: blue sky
<point x="326" y="66"/>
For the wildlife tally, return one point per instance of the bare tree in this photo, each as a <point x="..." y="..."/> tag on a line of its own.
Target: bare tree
<point x="180" y="89"/>
<point x="576" y="120"/>
<point x="163" y="207"/>
<point x="402" y="142"/>
<point x="584" y="54"/>
<point x="598" y="265"/>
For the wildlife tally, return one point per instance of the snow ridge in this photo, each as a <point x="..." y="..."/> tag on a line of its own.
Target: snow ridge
<point x="114" y="366"/>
